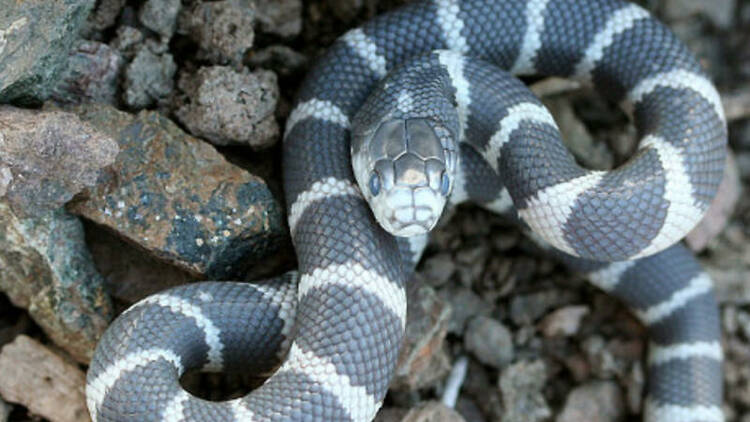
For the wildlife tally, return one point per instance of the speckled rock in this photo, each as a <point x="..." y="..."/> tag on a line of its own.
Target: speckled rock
<point x="280" y="17"/>
<point x="423" y="360"/>
<point x="465" y="305"/>
<point x="46" y="157"/>
<point x="47" y="270"/>
<point x="228" y="107"/>
<point x="149" y="77"/>
<point x="176" y="197"/>
<point x="564" y="321"/>
<point x="432" y="411"/>
<point x="278" y="57"/>
<point x="597" y="401"/>
<point x="490" y="341"/>
<point x="521" y="387"/>
<point x="222" y="29"/>
<point x="92" y="74"/>
<point x="35" y="37"/>
<point x="160" y="16"/>
<point x="105" y="14"/>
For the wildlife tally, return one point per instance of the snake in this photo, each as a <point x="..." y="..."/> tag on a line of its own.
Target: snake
<point x="412" y="113"/>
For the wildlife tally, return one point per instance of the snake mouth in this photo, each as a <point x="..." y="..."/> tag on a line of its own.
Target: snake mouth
<point x="408" y="211"/>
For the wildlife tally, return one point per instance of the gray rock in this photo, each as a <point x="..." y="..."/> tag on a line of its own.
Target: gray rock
<point x="280" y="17"/>
<point x="432" y="411"/>
<point x="46" y="157"/>
<point x="148" y="78"/>
<point x="597" y="401"/>
<point x="178" y="198"/>
<point x="390" y="414"/>
<point x="521" y="387"/>
<point x="222" y="29"/>
<point x="160" y="16"/>
<point x="743" y="164"/>
<point x="469" y="410"/>
<point x="527" y="308"/>
<point x="564" y="321"/>
<point x="719" y="12"/>
<point x="228" y="107"/>
<point x="577" y="138"/>
<point x="126" y="41"/>
<point x="438" y="269"/>
<point x="5" y="410"/>
<point x="465" y="304"/>
<point x="35" y="37"/>
<point x="282" y="59"/>
<point x="105" y="14"/>
<point x="92" y="75"/>
<point x="47" y="270"/>
<point x="423" y="360"/>
<point x="490" y="341"/>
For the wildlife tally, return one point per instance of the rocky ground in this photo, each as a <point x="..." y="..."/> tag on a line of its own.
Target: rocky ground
<point x="139" y="149"/>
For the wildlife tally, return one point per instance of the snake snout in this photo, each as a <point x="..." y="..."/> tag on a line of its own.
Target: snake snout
<point x="409" y="211"/>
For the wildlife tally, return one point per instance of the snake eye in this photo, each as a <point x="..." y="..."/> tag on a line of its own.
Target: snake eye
<point x="374" y="184"/>
<point x="445" y="184"/>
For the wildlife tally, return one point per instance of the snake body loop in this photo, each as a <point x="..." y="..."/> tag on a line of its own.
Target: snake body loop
<point x="338" y="322"/>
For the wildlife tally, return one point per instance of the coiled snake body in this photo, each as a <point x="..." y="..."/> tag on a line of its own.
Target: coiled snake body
<point x="338" y="322"/>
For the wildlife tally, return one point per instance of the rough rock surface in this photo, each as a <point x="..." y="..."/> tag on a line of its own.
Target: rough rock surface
<point x="229" y="107"/>
<point x="35" y="37"/>
<point x="597" y="401"/>
<point x="176" y="197"/>
<point x="222" y="29"/>
<point x="521" y="387"/>
<point x="92" y="74"/>
<point x="432" y="412"/>
<point x="57" y="386"/>
<point x="160" y="16"/>
<point x="282" y="17"/>
<point x="490" y="341"/>
<point x="47" y="270"/>
<point x="149" y="78"/>
<point x="46" y="157"/>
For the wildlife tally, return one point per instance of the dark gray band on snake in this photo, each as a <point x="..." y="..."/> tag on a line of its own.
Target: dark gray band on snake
<point x="345" y="317"/>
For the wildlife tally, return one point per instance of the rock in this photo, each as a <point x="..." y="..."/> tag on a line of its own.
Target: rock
<point x="521" y="387"/>
<point x="35" y="37"/>
<point x="527" y="308"/>
<point x="597" y="401"/>
<point x="489" y="341"/>
<point x="126" y="41"/>
<point x="422" y="360"/>
<point x="465" y="304"/>
<point x="577" y="139"/>
<point x="92" y="74"/>
<point x="46" y="157"/>
<point x="105" y="14"/>
<point x="47" y="270"/>
<point x="563" y="322"/>
<point x="390" y="414"/>
<point x="281" y="17"/>
<point x="432" y="411"/>
<point x="223" y="29"/>
<point x="46" y="384"/>
<point x="5" y="410"/>
<point x="729" y="266"/>
<point x="438" y="269"/>
<point x="178" y="198"/>
<point x="148" y="78"/>
<point x="160" y="16"/>
<point x="477" y="386"/>
<point x="743" y="165"/>
<point x="720" y="210"/>
<point x="719" y="12"/>
<point x="282" y="59"/>
<point x="469" y="410"/>
<point x="228" y="107"/>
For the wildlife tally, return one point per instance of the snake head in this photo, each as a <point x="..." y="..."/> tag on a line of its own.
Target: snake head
<point x="405" y="169"/>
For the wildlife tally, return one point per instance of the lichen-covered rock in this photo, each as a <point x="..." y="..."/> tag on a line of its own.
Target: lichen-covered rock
<point x="48" y="270"/>
<point x="46" y="157"/>
<point x="222" y="29"/>
<point x="92" y="74"/>
<point x="160" y="16"/>
<point x="228" y="107"/>
<point x="35" y="37"/>
<point x="178" y="198"/>
<point x="149" y="78"/>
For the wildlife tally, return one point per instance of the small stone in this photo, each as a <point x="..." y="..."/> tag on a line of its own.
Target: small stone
<point x="280" y="58"/>
<point x="93" y="70"/>
<point x="489" y="341"/>
<point x="178" y="198"/>
<point x="527" y="308"/>
<point x="280" y="17"/>
<point x="438" y="269"/>
<point x="228" y="107"/>
<point x="126" y="41"/>
<point x="222" y="29"/>
<point x="432" y="411"/>
<point x="148" y="78"/>
<point x="719" y="12"/>
<point x="46" y="384"/>
<point x="469" y="410"/>
<point x="47" y="270"/>
<point x="597" y="401"/>
<point x="105" y="14"/>
<point x="160" y="16"/>
<point x="5" y="410"/>
<point x="422" y="360"/>
<point x="465" y="304"/>
<point x="35" y="37"/>
<point x="46" y="157"/>
<point x="390" y="414"/>
<point x="521" y="387"/>
<point x="563" y="322"/>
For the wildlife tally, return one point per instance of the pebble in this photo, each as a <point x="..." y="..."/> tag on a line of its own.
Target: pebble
<point x="42" y="381"/>
<point x="105" y="14"/>
<point x="280" y="17"/>
<point x="179" y="199"/>
<point x="596" y="401"/>
<point x="465" y="304"/>
<point x="149" y="77"/>
<point x="432" y="411"/>
<point x="92" y="75"/>
<point x="5" y="409"/>
<point x="46" y="157"/>
<point x="282" y="59"/>
<point x="160" y="16"/>
<point x="438" y="269"/>
<point x="521" y="386"/>
<point x="423" y="361"/>
<point x="719" y="12"/>
<point x="229" y="107"/>
<point x="35" y="37"/>
<point x="490" y="341"/>
<point x="527" y="308"/>
<point x="126" y="40"/>
<point x="563" y="322"/>
<point x="47" y="270"/>
<point x="223" y="29"/>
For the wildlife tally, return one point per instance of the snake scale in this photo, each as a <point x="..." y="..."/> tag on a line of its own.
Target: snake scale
<point x="431" y="71"/>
